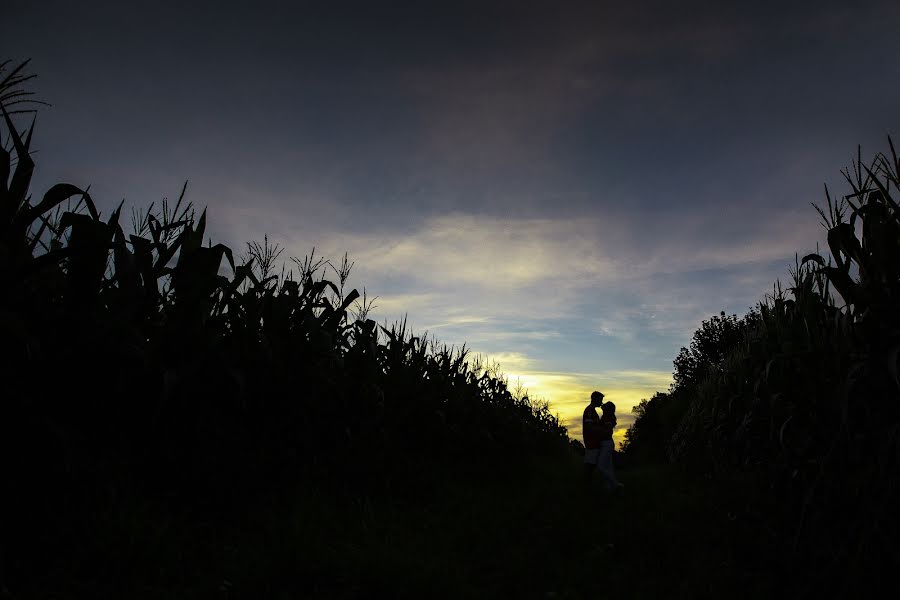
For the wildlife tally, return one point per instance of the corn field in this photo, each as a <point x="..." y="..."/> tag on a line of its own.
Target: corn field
<point x="804" y="407"/>
<point x="153" y="362"/>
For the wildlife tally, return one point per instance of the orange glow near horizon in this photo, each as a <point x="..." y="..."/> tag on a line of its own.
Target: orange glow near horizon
<point x="569" y="393"/>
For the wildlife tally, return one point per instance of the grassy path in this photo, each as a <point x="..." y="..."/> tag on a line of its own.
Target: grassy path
<point x="533" y="536"/>
<point x="532" y="533"/>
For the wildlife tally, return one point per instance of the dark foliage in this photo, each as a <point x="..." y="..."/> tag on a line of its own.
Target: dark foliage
<point x="657" y="419"/>
<point x="710" y="344"/>
<point x="151" y="364"/>
<point x="802" y="409"/>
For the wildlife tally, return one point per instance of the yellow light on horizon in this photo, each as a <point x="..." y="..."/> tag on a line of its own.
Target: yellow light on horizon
<point x="569" y="393"/>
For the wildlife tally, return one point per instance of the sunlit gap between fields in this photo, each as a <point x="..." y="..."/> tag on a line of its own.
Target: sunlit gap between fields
<point x="569" y="393"/>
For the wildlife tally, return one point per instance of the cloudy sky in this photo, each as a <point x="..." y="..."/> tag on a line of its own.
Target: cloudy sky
<point x="566" y="187"/>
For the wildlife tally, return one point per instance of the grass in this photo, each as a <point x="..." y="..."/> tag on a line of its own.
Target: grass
<point x="531" y="532"/>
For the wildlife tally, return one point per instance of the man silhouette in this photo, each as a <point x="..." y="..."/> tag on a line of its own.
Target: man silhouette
<point x="592" y="434"/>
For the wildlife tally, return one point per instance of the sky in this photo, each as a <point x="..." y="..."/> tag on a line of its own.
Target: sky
<point x="568" y="188"/>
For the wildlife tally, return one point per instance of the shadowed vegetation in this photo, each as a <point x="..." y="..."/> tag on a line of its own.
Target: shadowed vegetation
<point x="150" y="366"/>
<point x="797" y="404"/>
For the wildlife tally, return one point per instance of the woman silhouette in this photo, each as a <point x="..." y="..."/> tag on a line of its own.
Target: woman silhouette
<point x="607" y="448"/>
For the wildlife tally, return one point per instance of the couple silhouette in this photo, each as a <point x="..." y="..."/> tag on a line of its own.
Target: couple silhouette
<point x="598" y="443"/>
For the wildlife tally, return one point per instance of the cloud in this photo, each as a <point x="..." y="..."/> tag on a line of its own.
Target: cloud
<point x="397" y="305"/>
<point x="564" y="289"/>
<point x="494" y="253"/>
<point x="465" y="270"/>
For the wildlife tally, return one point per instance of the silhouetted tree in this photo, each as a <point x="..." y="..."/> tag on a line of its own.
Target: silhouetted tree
<point x="709" y="346"/>
<point x="657" y="418"/>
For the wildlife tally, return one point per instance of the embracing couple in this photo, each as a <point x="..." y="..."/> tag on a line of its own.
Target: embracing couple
<point x="598" y="443"/>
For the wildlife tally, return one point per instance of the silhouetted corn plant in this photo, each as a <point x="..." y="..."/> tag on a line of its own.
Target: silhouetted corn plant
<point x="809" y="401"/>
<point x="155" y="363"/>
